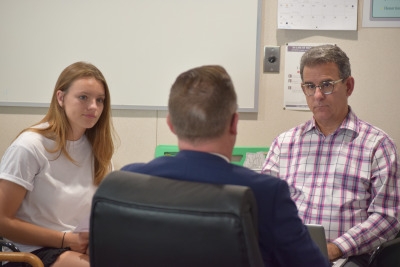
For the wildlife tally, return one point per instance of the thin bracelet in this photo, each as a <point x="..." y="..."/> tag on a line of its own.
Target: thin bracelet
<point x="62" y="241"/>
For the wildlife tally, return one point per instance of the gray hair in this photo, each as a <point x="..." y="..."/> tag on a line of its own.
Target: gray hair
<point x="326" y="54"/>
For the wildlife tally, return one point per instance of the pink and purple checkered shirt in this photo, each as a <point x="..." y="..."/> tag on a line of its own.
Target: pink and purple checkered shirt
<point x="347" y="181"/>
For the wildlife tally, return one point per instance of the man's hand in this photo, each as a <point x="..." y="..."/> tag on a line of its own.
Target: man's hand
<point x="334" y="252"/>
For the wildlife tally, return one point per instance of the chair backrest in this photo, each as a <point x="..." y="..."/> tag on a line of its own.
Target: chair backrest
<point x="142" y="220"/>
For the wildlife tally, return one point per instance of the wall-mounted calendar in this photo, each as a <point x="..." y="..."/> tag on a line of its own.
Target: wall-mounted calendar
<point x="317" y="14"/>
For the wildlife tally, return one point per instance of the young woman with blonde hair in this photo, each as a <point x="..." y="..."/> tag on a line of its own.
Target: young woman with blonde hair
<point x="50" y="172"/>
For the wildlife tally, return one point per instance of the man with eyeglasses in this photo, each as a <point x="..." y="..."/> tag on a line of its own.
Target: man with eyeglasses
<point x="343" y="172"/>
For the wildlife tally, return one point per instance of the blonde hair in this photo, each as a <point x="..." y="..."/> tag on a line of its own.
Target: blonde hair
<point x="100" y="136"/>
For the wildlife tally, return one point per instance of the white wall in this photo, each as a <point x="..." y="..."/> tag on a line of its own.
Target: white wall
<point x="375" y="59"/>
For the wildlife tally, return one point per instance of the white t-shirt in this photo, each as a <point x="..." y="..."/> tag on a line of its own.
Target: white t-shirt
<point x="59" y="192"/>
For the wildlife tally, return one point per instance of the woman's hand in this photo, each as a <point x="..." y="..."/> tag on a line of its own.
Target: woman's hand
<point x="78" y="242"/>
<point x="85" y="236"/>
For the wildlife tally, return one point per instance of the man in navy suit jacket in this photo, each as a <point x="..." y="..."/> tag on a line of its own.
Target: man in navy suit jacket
<point x="203" y="114"/>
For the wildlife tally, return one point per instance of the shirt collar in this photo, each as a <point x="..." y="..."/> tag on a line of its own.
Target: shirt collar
<point x="349" y="123"/>
<point x="222" y="156"/>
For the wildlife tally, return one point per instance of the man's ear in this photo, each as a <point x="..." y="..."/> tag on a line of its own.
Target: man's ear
<point x="234" y="123"/>
<point x="171" y="127"/>
<point x="350" y="85"/>
<point x="60" y="97"/>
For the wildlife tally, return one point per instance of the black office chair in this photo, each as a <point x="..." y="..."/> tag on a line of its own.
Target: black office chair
<point x="142" y="220"/>
<point x="387" y="254"/>
<point x="16" y="256"/>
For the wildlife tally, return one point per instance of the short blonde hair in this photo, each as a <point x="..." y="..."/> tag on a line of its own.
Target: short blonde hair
<point x="201" y="103"/>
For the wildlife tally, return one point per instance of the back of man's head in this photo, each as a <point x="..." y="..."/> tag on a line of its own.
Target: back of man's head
<point x="201" y="103"/>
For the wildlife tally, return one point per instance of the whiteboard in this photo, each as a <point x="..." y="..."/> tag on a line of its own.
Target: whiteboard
<point x="140" y="46"/>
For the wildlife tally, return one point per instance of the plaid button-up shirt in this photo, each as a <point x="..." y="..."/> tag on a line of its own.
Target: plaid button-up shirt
<point x="347" y="181"/>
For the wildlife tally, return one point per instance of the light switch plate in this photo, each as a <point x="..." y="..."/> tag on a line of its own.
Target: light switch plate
<point x="272" y="58"/>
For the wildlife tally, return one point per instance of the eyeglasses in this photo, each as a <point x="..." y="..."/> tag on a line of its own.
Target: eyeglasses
<point x="325" y="87"/>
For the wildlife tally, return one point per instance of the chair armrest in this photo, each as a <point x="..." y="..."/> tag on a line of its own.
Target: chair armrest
<point x="390" y="250"/>
<point x="339" y="262"/>
<point x="27" y="257"/>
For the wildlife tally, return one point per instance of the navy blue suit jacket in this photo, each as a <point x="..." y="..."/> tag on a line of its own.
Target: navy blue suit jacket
<point x="283" y="239"/>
